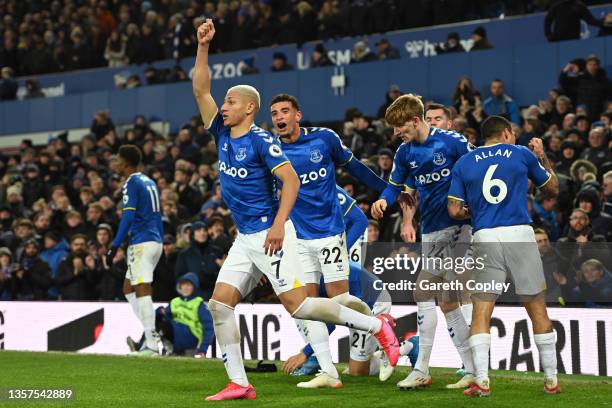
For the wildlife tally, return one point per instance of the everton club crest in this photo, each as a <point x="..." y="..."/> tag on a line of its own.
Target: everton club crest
<point x="316" y="156"/>
<point x="439" y="159"/>
<point x="242" y="153"/>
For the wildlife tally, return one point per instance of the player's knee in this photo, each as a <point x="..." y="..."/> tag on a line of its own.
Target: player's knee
<point x="352" y="302"/>
<point x="337" y="288"/>
<point x="315" y="309"/>
<point x="226" y="294"/>
<point x="447" y="307"/>
<point x="294" y="299"/>
<point x="423" y="296"/>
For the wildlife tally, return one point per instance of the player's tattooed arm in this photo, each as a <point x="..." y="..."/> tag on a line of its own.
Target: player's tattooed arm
<point x="457" y="209"/>
<point x="201" y="75"/>
<point x="408" y="203"/>
<point x="551" y="188"/>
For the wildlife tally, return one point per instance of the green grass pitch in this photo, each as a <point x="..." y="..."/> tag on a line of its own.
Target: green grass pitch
<point x="113" y="381"/>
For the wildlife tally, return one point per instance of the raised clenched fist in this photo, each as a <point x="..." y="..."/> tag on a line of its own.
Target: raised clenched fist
<point x="206" y="32"/>
<point x="537" y="147"/>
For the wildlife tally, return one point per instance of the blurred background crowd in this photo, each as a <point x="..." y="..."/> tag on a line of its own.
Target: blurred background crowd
<point x="60" y="203"/>
<point x="44" y="36"/>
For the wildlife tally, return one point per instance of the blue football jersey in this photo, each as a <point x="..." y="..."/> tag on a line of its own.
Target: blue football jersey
<point x="246" y="166"/>
<point x="492" y="180"/>
<point x="317" y="212"/>
<point x="141" y="196"/>
<point x="426" y="167"/>
<point x="345" y="200"/>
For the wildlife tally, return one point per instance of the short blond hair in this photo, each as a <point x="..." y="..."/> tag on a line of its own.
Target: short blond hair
<point x="248" y="92"/>
<point x="405" y="108"/>
<point x="592" y="263"/>
<point x="607" y="175"/>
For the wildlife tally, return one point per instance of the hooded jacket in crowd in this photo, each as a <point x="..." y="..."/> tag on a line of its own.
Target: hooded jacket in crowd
<point x="600" y="222"/>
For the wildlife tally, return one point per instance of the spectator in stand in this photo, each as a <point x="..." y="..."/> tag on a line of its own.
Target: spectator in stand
<point x="579" y="228"/>
<point x="319" y="57"/>
<point x="386" y="51"/>
<point x="279" y="62"/>
<point x="164" y="276"/>
<point x="38" y="57"/>
<point x="77" y="273"/>
<point x="392" y="94"/>
<point x="501" y="104"/>
<point x="201" y="256"/>
<point x="55" y="250"/>
<point x="464" y="94"/>
<point x="133" y="50"/>
<point x="189" y="150"/>
<point x="563" y="20"/>
<point x="545" y="208"/>
<point x="373" y="235"/>
<point x="32" y="279"/>
<point x="588" y="200"/>
<point x="362" y="53"/>
<point x="550" y="261"/>
<point x="480" y="41"/>
<point x="371" y="140"/>
<point x="531" y="129"/>
<point x="188" y="195"/>
<point x="590" y="87"/>
<point x="217" y="233"/>
<point x="10" y="54"/>
<point x="267" y="27"/>
<point x="451" y="45"/>
<point x="607" y="193"/>
<point x="94" y="217"/>
<point x="581" y="129"/>
<point x="104" y="237"/>
<point x="597" y="151"/>
<point x="109" y="282"/>
<point x="78" y="54"/>
<point x="33" y="89"/>
<point x="579" y="244"/>
<point x="385" y="163"/>
<point x="115" y="52"/>
<point x="7" y="269"/>
<point x="568" y="155"/>
<point x="247" y="66"/>
<point x="101" y="124"/>
<point x="23" y="230"/>
<point x="329" y="21"/>
<point x="306" y="21"/>
<point x="8" y="85"/>
<point x="243" y="31"/>
<point x="162" y="161"/>
<point x="150" y="50"/>
<point x="42" y="219"/>
<point x="594" y="287"/>
<point x="33" y="187"/>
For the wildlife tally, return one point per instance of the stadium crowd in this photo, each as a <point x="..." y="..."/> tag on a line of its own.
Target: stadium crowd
<point x="61" y="202"/>
<point x="44" y="36"/>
